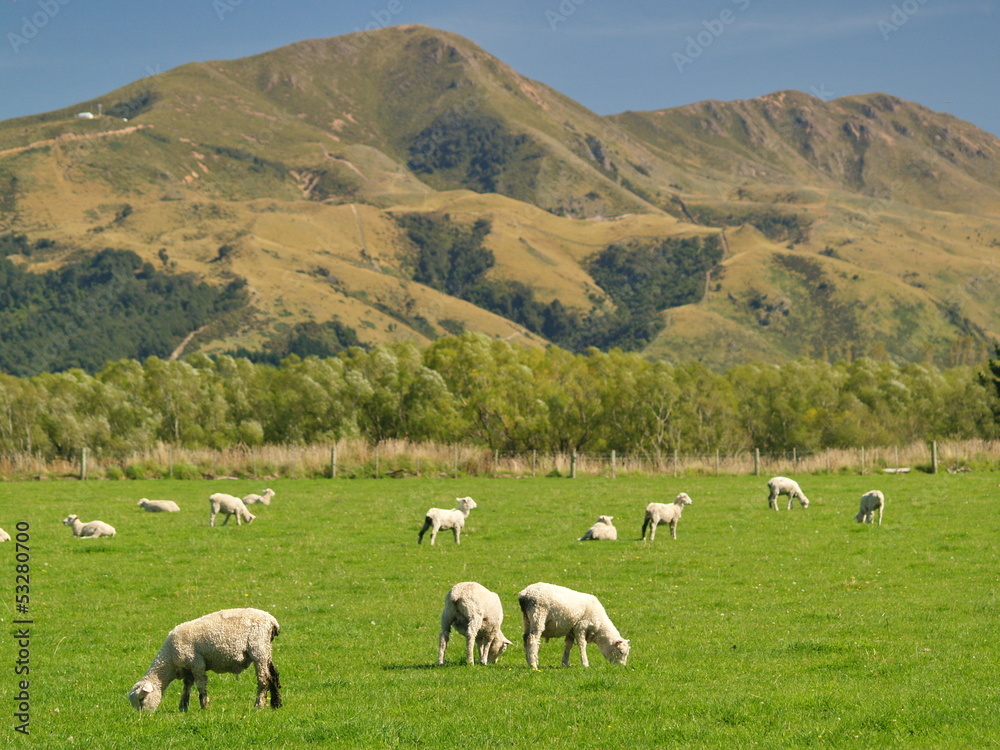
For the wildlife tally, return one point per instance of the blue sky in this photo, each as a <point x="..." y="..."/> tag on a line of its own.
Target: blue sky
<point x="610" y="55"/>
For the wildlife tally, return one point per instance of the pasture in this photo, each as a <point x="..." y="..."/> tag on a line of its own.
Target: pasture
<point x="753" y="628"/>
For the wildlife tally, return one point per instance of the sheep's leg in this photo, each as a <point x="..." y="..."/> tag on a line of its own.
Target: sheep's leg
<point x="475" y="623"/>
<point x="238" y="521"/>
<point x="880" y="515"/>
<point x="420" y="536"/>
<point x="228" y="516"/>
<point x="434" y="532"/>
<point x="263" y="669"/>
<point x="570" y="640"/>
<point x="673" y="529"/>
<point x="443" y="642"/>
<point x="531" y="642"/>
<point x="200" y="680"/>
<point x="654" y="522"/>
<point x="186" y="692"/>
<point x="581" y="642"/>
<point x="791" y="499"/>
<point x="274" y="685"/>
<point x="645" y="525"/>
<point x="458" y="533"/>
<point x="211" y="519"/>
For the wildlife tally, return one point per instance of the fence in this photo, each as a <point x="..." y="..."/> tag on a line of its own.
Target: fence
<point x="355" y="459"/>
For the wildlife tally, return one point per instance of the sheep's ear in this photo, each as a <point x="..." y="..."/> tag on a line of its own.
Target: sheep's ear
<point x="507" y="643"/>
<point x="143" y="689"/>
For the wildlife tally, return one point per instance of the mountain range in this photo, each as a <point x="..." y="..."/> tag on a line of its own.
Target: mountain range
<point x="860" y="226"/>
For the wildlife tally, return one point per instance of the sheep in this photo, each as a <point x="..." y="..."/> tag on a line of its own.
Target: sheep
<point x="785" y="486"/>
<point x="475" y="612"/>
<point x="453" y="519"/>
<point x="657" y="513"/>
<point x="220" y="502"/>
<point x="602" y="530"/>
<point x="870" y="502"/>
<point x="91" y="530"/>
<point x="224" y="641"/>
<point x="551" y="611"/>
<point x="264" y="498"/>
<point x="158" y="506"/>
<point x="4" y="536"/>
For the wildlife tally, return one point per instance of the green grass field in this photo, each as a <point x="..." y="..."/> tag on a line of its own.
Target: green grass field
<point x="754" y="628"/>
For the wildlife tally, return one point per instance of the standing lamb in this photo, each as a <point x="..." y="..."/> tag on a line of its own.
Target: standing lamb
<point x="158" y="506"/>
<point x="785" y="486"/>
<point x="220" y="502"/>
<point x="657" y="513"/>
<point x="225" y="641"/>
<point x="870" y="502"/>
<point x="475" y="612"/>
<point x="600" y="531"/>
<point x="91" y="530"/>
<point x="264" y="498"/>
<point x="551" y="611"/>
<point x="453" y="519"/>
<point x="4" y="536"/>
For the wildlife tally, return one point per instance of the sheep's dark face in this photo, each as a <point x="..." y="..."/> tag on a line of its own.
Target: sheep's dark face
<point x="144" y="696"/>
<point x="69" y="520"/>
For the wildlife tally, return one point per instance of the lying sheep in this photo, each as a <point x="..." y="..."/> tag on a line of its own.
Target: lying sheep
<point x="91" y="530"/>
<point x="657" y="513"/>
<point x="453" y="519"/>
<point x="551" y="611"/>
<point x="225" y="641"/>
<point x="158" y="506"/>
<point x="4" y="536"/>
<point x="600" y="531"/>
<point x="220" y="502"/>
<point x="785" y="486"/>
<point x="264" y="498"/>
<point x="475" y="612"/>
<point x="870" y="502"/>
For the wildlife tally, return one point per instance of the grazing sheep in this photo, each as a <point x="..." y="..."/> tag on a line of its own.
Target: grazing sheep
<point x="475" y="612"/>
<point x="158" y="506"/>
<point x="785" y="486"/>
<point x="551" y="611"/>
<point x="220" y="502"/>
<point x="4" y="536"/>
<point x="225" y="641"/>
<point x="91" y="530"/>
<point x="657" y="513"/>
<point x="264" y="498"/>
<point x="453" y="519"/>
<point x="602" y="530"/>
<point x="870" y="502"/>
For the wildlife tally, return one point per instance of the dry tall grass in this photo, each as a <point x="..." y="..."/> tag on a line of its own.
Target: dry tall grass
<point x="399" y="458"/>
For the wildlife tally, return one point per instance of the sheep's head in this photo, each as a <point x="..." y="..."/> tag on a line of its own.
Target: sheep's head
<point x="142" y="500"/>
<point x="618" y="651"/>
<point x="497" y="647"/>
<point x="70" y="520"/>
<point x="249" y="518"/>
<point x="145" y="695"/>
<point x="804" y="500"/>
<point x="683" y="499"/>
<point x="465" y="503"/>
<point x="605" y="519"/>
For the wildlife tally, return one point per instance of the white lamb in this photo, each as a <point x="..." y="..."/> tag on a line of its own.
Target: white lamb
<point x="4" y="536"/>
<point x="220" y="502"/>
<point x="475" y="612"/>
<point x="602" y="530"/>
<point x="551" y="611"/>
<point x="91" y="530"/>
<point x="158" y="506"/>
<point x="785" y="486"/>
<point x="264" y="498"/>
<point x="454" y="519"/>
<point x="657" y="513"/>
<point x="870" y="502"/>
<point x="225" y="641"/>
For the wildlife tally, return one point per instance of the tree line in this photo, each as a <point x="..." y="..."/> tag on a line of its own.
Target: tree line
<point x="474" y="390"/>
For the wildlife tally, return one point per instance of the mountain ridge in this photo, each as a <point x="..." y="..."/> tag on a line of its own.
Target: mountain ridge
<point x="298" y="160"/>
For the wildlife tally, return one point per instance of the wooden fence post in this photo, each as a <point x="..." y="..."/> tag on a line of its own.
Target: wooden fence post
<point x="333" y="461"/>
<point x="716" y="462"/>
<point x="934" y="457"/>
<point x="756" y="462"/>
<point x="572" y="465"/>
<point x="83" y="464"/>
<point x="614" y="466"/>
<point x="862" y="459"/>
<point x="534" y="461"/>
